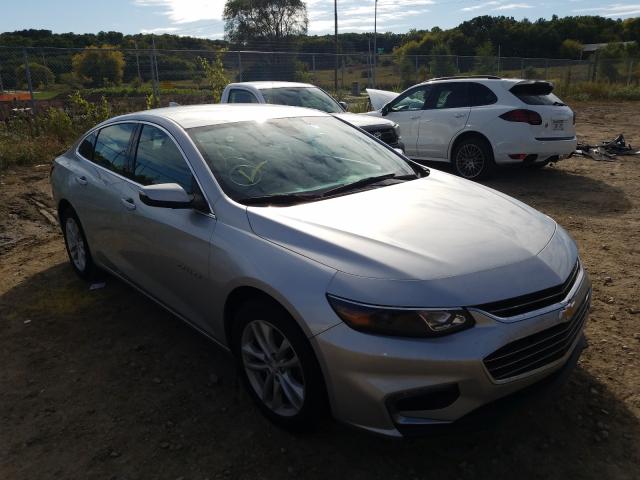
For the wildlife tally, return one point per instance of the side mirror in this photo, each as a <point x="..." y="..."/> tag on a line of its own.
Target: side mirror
<point x="166" y="195"/>
<point x="344" y="105"/>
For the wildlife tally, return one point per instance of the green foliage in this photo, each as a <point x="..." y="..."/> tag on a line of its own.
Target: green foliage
<point x="248" y="20"/>
<point x="99" y="66"/>
<point x="571" y="49"/>
<point x="530" y="73"/>
<point x="442" y="64"/>
<point x="41" y="76"/>
<point x="486" y="63"/>
<point x="301" y="72"/>
<point x="214" y="73"/>
<point x="85" y="114"/>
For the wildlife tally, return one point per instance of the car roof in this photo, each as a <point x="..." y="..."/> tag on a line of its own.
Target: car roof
<point x="488" y="80"/>
<point x="214" y="114"/>
<point x="265" y="84"/>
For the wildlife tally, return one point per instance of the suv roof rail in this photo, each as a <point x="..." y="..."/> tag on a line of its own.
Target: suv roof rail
<point x="489" y="77"/>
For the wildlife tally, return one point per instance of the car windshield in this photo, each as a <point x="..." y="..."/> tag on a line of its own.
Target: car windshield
<point x="296" y="156"/>
<point x="308" y="97"/>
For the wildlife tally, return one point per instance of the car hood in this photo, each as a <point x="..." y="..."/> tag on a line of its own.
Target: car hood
<point x="379" y="98"/>
<point x="435" y="227"/>
<point x="364" y="121"/>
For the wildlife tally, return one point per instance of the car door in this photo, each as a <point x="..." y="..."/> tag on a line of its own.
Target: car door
<point x="445" y="114"/>
<point x="104" y="157"/>
<point x="166" y="251"/>
<point x="407" y="110"/>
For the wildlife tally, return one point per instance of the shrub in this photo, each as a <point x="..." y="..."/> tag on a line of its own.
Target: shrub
<point x="40" y="75"/>
<point x="99" y="66"/>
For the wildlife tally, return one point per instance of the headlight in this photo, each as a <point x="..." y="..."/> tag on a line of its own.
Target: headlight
<point x="400" y="322"/>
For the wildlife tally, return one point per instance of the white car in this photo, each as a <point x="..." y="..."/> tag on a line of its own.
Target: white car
<point x="309" y="96"/>
<point x="478" y="122"/>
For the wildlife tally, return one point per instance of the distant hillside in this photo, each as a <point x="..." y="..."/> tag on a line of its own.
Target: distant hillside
<point x="540" y="38"/>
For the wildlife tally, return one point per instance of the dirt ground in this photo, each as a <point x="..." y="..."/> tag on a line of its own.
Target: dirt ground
<point x="104" y="384"/>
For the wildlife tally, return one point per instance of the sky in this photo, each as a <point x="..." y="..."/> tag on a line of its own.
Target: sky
<point x="203" y="18"/>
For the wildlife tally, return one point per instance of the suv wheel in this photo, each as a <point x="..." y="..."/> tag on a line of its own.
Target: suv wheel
<point x="472" y="158"/>
<point x="76" y="244"/>
<point x="278" y="365"/>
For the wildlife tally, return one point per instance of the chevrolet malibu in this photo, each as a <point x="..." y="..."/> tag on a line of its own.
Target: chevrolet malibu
<point x="341" y="275"/>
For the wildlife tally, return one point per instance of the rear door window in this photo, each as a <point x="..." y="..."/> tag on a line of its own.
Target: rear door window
<point x="481" y="95"/>
<point x="112" y="147"/>
<point x="241" y="96"/>
<point x="158" y="160"/>
<point x="449" y="95"/>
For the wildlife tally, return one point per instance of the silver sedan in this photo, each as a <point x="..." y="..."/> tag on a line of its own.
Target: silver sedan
<point x="341" y="275"/>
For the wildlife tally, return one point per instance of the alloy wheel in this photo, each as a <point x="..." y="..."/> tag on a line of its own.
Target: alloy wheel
<point x="273" y="368"/>
<point x="75" y="244"/>
<point x="470" y="160"/>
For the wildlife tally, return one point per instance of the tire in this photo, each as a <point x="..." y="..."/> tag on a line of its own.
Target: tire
<point x="286" y="383"/>
<point x="472" y="158"/>
<point x="76" y="244"/>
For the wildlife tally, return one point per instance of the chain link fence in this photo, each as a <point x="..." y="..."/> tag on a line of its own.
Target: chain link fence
<point x="33" y="77"/>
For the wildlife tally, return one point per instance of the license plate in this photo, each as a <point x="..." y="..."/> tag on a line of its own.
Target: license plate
<point x="558" y="124"/>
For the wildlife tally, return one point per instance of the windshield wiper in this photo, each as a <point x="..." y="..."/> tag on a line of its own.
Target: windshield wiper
<point x="364" y="182"/>
<point x="280" y="199"/>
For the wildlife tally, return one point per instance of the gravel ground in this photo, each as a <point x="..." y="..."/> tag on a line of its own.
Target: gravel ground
<point x="104" y="384"/>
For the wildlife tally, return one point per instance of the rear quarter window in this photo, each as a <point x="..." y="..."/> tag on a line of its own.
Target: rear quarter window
<point x="86" y="146"/>
<point x="481" y="95"/>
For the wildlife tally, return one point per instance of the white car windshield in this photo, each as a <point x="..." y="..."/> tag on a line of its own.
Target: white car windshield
<point x="307" y="97"/>
<point x="288" y="157"/>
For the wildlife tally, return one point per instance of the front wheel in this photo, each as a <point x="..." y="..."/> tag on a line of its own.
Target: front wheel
<point x="472" y="158"/>
<point x="278" y="365"/>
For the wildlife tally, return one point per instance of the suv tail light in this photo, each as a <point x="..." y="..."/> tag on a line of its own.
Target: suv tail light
<point x="522" y="115"/>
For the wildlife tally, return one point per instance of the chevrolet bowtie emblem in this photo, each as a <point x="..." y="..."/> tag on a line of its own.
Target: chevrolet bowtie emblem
<point x="567" y="312"/>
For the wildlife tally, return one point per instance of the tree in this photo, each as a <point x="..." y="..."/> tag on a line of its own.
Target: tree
<point x="40" y="75"/>
<point x="99" y="66"/>
<point x="272" y="20"/>
<point x="486" y="61"/>
<point x="215" y="75"/>
<point x="571" y="49"/>
<point x="442" y="64"/>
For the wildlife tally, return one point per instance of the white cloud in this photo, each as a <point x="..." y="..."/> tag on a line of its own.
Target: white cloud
<point x="479" y="6"/>
<point x="615" y="10"/>
<point x="186" y="11"/>
<point x="513" y="6"/>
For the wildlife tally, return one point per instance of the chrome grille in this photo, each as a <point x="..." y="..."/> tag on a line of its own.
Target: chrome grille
<point x="537" y="350"/>
<point x="533" y="301"/>
<point x="387" y="135"/>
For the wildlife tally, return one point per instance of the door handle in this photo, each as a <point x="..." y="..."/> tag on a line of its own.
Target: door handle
<point x="415" y="118"/>
<point x="128" y="203"/>
<point x="82" y="180"/>
<point x="460" y="115"/>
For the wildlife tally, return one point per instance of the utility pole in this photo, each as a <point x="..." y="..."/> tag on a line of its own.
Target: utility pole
<point x="335" y="72"/>
<point x="375" y="40"/>
<point x="135" y="44"/>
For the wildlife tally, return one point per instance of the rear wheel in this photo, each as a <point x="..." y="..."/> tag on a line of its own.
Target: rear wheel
<point x="76" y="244"/>
<point x="472" y="158"/>
<point x="278" y="365"/>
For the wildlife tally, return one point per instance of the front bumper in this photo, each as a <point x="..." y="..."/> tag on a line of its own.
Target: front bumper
<point x="366" y="374"/>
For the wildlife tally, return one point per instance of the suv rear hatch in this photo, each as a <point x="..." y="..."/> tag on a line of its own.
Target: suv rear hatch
<point x="558" y="121"/>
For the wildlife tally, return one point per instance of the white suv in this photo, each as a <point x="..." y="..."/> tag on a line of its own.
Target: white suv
<point x="478" y="122"/>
